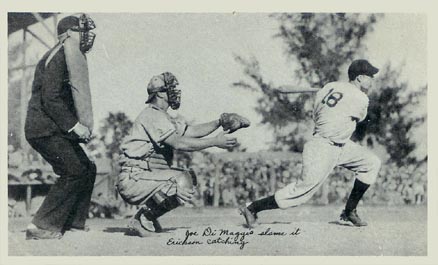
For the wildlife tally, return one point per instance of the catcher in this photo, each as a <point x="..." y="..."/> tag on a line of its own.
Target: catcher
<point x="147" y="177"/>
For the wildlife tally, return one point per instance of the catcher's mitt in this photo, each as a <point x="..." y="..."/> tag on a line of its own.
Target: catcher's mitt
<point x="231" y="122"/>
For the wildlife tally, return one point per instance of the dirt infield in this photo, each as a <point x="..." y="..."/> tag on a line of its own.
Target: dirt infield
<point x="301" y="231"/>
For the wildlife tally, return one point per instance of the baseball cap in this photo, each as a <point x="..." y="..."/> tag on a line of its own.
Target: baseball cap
<point x="156" y="84"/>
<point x="361" y="67"/>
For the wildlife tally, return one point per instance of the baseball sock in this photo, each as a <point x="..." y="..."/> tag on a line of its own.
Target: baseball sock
<point x="359" y="189"/>
<point x="267" y="203"/>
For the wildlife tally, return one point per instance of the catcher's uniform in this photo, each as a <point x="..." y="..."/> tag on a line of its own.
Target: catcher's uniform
<point x="338" y="107"/>
<point x="146" y="162"/>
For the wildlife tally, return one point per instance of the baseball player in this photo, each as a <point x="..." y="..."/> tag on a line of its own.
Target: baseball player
<point x="147" y="176"/>
<point x="337" y="109"/>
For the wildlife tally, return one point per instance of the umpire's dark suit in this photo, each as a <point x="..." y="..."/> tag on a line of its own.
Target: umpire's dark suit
<point x="51" y="114"/>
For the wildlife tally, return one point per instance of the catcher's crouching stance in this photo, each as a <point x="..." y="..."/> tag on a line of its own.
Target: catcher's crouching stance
<point x="147" y="177"/>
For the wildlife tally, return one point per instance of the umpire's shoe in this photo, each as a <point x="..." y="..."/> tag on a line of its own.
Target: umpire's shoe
<point x="250" y="218"/>
<point x="38" y="234"/>
<point x="351" y="216"/>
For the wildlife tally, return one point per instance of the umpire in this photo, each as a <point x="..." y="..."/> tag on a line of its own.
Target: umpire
<point x="58" y="119"/>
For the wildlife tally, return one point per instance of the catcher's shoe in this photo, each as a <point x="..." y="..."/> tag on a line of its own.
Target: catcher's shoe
<point x="352" y="217"/>
<point x="157" y="226"/>
<point x="140" y="225"/>
<point x="250" y="218"/>
<point x="79" y="229"/>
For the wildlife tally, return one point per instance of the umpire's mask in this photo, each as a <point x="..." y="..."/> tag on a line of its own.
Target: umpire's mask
<point x="83" y="25"/>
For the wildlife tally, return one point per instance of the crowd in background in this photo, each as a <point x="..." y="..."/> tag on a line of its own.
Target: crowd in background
<point x="243" y="180"/>
<point x="28" y="168"/>
<point x="247" y="180"/>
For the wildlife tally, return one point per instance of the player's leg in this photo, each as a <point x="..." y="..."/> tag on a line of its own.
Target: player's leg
<point x="250" y="211"/>
<point x="319" y="158"/>
<point x="366" y="165"/>
<point x="164" y="197"/>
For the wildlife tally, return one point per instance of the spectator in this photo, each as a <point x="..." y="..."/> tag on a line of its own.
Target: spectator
<point x="244" y="179"/>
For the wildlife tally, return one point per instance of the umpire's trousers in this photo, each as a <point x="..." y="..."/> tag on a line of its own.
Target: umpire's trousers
<point x="68" y="200"/>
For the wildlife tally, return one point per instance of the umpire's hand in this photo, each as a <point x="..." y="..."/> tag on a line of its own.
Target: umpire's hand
<point x="82" y="132"/>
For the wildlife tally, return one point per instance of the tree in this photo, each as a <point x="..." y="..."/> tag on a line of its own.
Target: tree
<point x="393" y="114"/>
<point x="115" y="127"/>
<point x="320" y="44"/>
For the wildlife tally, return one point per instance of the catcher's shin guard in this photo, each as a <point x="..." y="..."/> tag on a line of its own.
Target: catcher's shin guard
<point x="161" y="203"/>
<point x="156" y="208"/>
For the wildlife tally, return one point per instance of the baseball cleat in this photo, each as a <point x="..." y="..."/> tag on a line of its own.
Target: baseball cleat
<point x="157" y="226"/>
<point x="78" y="229"/>
<point x="140" y="225"/>
<point x="250" y="218"/>
<point x="141" y="229"/>
<point x="353" y="218"/>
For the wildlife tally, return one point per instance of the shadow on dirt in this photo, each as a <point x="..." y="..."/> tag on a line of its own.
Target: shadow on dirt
<point x="127" y="231"/>
<point x="340" y="223"/>
<point x="267" y="223"/>
<point x="116" y="230"/>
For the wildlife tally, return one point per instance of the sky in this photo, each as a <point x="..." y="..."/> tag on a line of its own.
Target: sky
<point x="199" y="49"/>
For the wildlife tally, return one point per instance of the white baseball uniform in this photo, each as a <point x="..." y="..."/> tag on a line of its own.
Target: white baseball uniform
<point x="146" y="163"/>
<point x="338" y="107"/>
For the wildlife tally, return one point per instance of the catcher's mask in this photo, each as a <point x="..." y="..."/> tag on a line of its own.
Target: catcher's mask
<point x="165" y="82"/>
<point x="84" y="25"/>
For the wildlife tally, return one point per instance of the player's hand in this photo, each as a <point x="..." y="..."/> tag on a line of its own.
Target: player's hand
<point x="82" y="132"/>
<point x="224" y="142"/>
<point x="185" y="194"/>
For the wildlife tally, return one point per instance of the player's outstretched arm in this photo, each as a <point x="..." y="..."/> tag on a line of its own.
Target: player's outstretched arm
<point x="185" y="143"/>
<point x="295" y="89"/>
<point x="201" y="130"/>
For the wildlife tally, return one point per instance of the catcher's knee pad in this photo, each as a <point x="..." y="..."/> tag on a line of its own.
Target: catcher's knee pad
<point x="166" y="199"/>
<point x="186" y="180"/>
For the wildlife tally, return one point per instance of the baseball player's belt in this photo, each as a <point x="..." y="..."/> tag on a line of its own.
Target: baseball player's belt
<point x="333" y="143"/>
<point x="149" y="163"/>
<point x="338" y="144"/>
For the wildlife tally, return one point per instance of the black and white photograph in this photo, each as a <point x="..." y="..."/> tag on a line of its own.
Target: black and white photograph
<point x="238" y="134"/>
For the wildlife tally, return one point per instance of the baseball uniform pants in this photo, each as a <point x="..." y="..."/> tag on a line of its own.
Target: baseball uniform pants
<point x="320" y="157"/>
